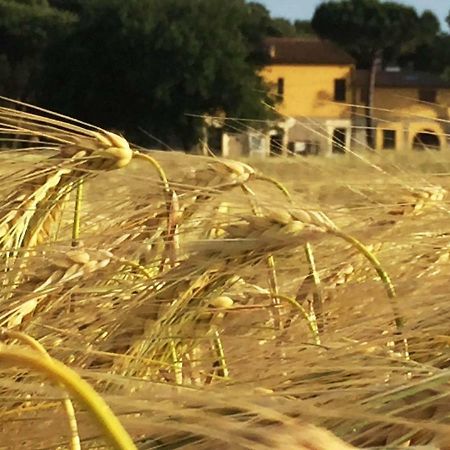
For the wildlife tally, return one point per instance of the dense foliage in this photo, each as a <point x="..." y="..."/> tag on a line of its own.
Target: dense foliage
<point x="380" y="33"/>
<point x="367" y="27"/>
<point x="27" y="28"/>
<point x="152" y="62"/>
<point x="146" y="67"/>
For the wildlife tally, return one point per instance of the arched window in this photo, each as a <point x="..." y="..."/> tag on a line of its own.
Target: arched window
<point x="426" y="140"/>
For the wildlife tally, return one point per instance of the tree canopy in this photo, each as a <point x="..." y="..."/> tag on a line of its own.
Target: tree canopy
<point x="375" y="33"/>
<point x="432" y="54"/>
<point x="369" y="27"/>
<point x="154" y="65"/>
<point x="26" y="29"/>
<point x="148" y="63"/>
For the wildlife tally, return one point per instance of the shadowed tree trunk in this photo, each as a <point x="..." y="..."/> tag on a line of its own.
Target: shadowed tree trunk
<point x="376" y="64"/>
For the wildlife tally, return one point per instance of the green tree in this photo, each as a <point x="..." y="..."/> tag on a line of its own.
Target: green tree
<point x="259" y="25"/>
<point x="152" y="64"/>
<point x="281" y="27"/>
<point x="67" y="5"/>
<point x="432" y="56"/>
<point x="304" y="28"/>
<point x="429" y="25"/>
<point x="26" y="28"/>
<point x="260" y="21"/>
<point x="371" y="30"/>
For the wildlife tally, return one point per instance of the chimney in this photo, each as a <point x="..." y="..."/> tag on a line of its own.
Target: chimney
<point x="272" y="51"/>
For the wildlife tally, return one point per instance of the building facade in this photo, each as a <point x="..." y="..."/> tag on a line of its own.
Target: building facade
<point x="322" y="98"/>
<point x="312" y="80"/>
<point x="411" y="109"/>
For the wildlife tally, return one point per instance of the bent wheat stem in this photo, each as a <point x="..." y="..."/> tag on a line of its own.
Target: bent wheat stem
<point x="275" y="182"/>
<point x="156" y="165"/>
<point x="171" y="238"/>
<point x="389" y="286"/>
<point x="311" y="324"/>
<point x="57" y="371"/>
<point x="384" y="276"/>
<point x="75" y="443"/>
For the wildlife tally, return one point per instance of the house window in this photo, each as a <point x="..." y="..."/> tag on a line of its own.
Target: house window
<point x="340" y="90"/>
<point x="426" y="139"/>
<point x="427" y="95"/>
<point x="280" y="88"/>
<point x="303" y="148"/>
<point x="389" y="139"/>
<point x="339" y="140"/>
<point x="276" y="144"/>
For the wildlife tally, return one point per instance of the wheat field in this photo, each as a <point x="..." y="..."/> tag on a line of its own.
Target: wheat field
<point x="158" y="300"/>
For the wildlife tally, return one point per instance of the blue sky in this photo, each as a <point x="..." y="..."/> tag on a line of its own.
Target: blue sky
<point x="303" y="9"/>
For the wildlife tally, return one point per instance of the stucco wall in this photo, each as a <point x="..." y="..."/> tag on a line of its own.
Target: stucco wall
<point x="309" y="90"/>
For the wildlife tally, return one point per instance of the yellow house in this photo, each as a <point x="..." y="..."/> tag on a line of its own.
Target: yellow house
<point x="322" y="97"/>
<point x="312" y="80"/>
<point x="410" y="111"/>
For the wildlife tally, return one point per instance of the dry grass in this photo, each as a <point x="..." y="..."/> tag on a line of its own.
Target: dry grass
<point x="190" y="305"/>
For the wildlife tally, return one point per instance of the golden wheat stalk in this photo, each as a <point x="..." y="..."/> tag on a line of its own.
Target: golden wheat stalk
<point x="30" y="209"/>
<point x="75" y="443"/>
<point x="60" y="373"/>
<point x="50" y="273"/>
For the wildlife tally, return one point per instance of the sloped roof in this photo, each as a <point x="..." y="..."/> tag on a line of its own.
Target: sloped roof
<point x="305" y="51"/>
<point x="405" y="79"/>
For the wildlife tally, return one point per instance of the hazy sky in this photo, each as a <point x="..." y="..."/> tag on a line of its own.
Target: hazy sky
<point x="303" y="9"/>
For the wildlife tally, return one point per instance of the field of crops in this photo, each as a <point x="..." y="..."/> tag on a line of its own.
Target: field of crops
<point x="215" y="304"/>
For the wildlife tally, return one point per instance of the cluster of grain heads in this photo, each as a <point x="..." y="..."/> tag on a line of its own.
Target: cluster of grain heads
<point x="46" y="273"/>
<point x="252" y="237"/>
<point x="202" y="185"/>
<point x="108" y="149"/>
<point x="412" y="203"/>
<point x="418" y="200"/>
<point x="29" y="214"/>
<point x="176" y="299"/>
<point x="222" y="174"/>
<point x="165" y="294"/>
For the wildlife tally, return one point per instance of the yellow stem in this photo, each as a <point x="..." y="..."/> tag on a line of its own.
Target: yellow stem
<point x="220" y="353"/>
<point x="272" y="273"/>
<point x="76" y="226"/>
<point x="389" y="286"/>
<point x="306" y="316"/>
<point x="55" y="370"/>
<point x="177" y="362"/>
<point x="277" y="183"/>
<point x="171" y="207"/>
<point x="318" y="298"/>
<point x="156" y="165"/>
<point x="75" y="443"/>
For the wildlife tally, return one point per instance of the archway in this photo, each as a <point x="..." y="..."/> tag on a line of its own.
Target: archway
<point x="426" y="140"/>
